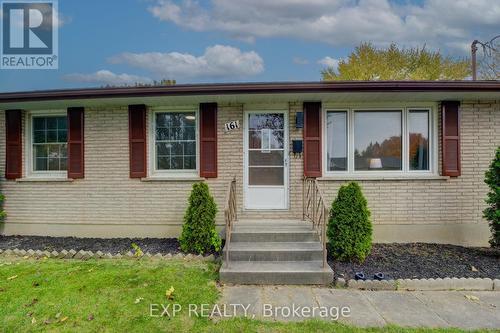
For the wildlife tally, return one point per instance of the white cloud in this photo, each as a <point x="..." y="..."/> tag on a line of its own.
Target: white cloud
<point x="438" y="23"/>
<point x="329" y="62"/>
<point x="218" y="61"/>
<point x="58" y="19"/>
<point x="107" y="77"/>
<point x="300" y="61"/>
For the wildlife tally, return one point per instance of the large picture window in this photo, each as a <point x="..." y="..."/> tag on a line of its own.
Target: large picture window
<point x="377" y="140"/>
<point x="175" y="141"/>
<point x="49" y="143"/>
<point x="383" y="140"/>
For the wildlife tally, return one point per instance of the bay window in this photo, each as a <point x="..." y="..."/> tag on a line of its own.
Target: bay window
<point x="378" y="141"/>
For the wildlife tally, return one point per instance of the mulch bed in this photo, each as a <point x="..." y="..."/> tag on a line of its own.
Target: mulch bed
<point x="424" y="261"/>
<point x="111" y="245"/>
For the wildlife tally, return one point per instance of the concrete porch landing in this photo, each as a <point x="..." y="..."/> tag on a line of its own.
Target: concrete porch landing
<point x="274" y="252"/>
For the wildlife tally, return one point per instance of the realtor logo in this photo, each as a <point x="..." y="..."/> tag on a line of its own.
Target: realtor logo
<point x="29" y="35"/>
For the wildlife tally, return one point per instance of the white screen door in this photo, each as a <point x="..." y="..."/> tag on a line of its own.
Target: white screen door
<point x="266" y="160"/>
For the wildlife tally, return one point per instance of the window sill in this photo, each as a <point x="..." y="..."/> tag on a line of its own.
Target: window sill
<point x="383" y="178"/>
<point x="173" y="179"/>
<point x="45" y="180"/>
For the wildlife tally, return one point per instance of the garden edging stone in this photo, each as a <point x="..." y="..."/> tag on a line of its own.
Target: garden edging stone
<point x="84" y="255"/>
<point x="496" y="285"/>
<point x="472" y="284"/>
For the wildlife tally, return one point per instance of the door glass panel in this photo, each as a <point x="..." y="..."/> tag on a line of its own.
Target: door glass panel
<point x="265" y="176"/>
<point x="266" y="138"/>
<point x="277" y="139"/>
<point x="266" y="120"/>
<point x="272" y="157"/>
<point x="254" y="139"/>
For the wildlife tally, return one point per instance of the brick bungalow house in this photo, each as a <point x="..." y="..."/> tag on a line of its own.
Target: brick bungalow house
<point x="120" y="162"/>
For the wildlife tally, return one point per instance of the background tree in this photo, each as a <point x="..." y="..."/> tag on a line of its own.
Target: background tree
<point x="489" y="66"/>
<point x="154" y="83"/>
<point x="369" y="63"/>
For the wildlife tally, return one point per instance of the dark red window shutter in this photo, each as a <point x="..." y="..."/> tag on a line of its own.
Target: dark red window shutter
<point x="14" y="147"/>
<point x="137" y="140"/>
<point x="450" y="117"/>
<point x="312" y="139"/>
<point x="208" y="140"/>
<point x="76" y="149"/>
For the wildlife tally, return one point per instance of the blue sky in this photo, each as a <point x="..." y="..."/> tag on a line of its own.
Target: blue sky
<point x="124" y="41"/>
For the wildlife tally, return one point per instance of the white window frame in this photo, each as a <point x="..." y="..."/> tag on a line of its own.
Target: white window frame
<point x="28" y="157"/>
<point x="405" y="172"/>
<point x="153" y="171"/>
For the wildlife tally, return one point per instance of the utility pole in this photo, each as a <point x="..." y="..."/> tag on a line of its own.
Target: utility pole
<point x="473" y="49"/>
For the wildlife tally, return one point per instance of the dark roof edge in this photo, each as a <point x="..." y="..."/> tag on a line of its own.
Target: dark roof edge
<point x="252" y="88"/>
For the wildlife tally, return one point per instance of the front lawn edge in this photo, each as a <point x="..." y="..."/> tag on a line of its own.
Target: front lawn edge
<point x="470" y="284"/>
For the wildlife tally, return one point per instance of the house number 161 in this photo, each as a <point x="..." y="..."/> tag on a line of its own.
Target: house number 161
<point x="232" y="125"/>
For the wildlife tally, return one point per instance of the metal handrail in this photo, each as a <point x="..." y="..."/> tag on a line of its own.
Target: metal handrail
<point x="230" y="214"/>
<point x="314" y="209"/>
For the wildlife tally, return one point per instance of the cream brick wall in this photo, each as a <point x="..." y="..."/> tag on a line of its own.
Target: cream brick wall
<point x="107" y="203"/>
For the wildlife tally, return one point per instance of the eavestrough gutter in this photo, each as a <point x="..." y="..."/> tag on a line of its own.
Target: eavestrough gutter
<point x="253" y="88"/>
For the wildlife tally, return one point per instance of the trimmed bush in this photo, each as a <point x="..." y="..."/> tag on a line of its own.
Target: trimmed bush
<point x="349" y="227"/>
<point x="198" y="232"/>
<point x="492" y="212"/>
<point x="2" y="213"/>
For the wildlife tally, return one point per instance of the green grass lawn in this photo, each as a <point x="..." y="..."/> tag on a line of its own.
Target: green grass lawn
<point x="115" y="296"/>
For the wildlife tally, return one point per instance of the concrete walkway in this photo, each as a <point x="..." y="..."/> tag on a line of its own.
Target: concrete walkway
<point x="462" y="309"/>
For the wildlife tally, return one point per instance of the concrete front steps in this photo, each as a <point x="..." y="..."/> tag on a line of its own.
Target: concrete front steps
<point x="274" y="252"/>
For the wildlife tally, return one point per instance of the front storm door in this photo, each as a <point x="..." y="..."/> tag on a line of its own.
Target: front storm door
<point x="266" y="160"/>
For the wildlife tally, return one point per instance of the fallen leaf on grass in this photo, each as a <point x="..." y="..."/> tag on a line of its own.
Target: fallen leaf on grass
<point x="472" y="298"/>
<point x="138" y="300"/>
<point x="33" y="302"/>
<point x="63" y="319"/>
<point x="33" y="320"/>
<point x="90" y="270"/>
<point x="90" y="317"/>
<point x="170" y="293"/>
<point x="47" y="321"/>
<point x="58" y="315"/>
<point x="11" y="277"/>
